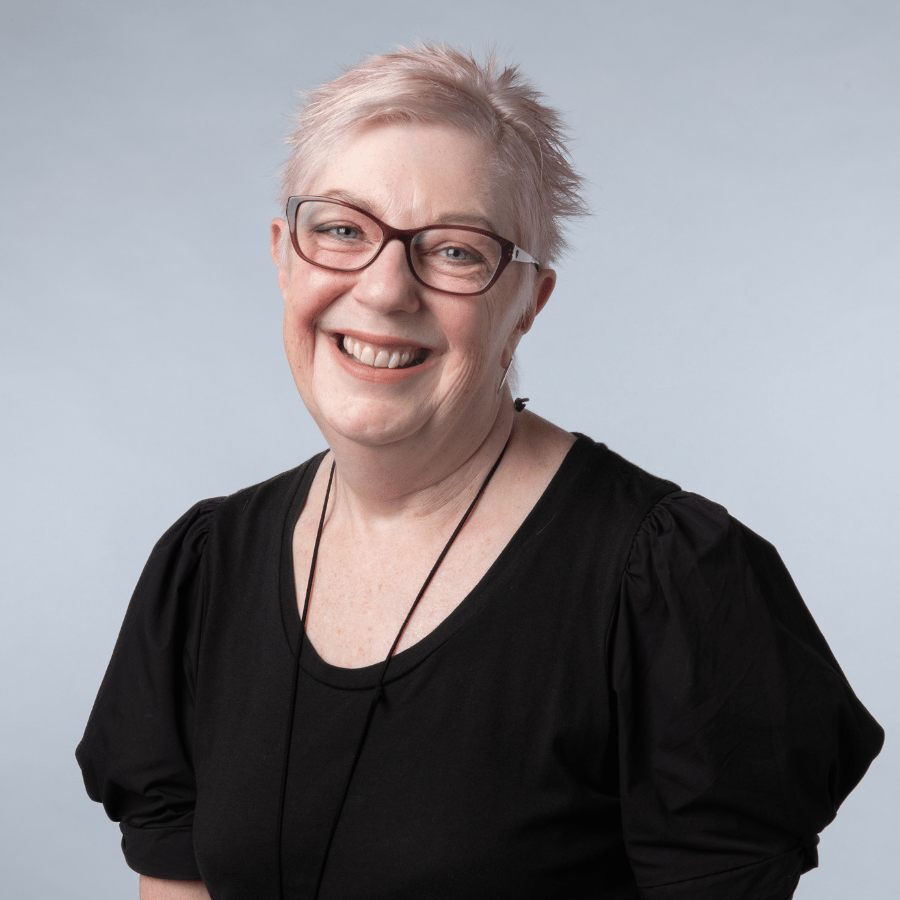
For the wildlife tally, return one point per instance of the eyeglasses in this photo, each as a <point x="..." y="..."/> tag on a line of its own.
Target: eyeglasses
<point x="455" y="259"/>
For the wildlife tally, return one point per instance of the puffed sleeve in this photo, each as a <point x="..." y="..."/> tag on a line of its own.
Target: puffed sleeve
<point x="136" y="753"/>
<point x="739" y="736"/>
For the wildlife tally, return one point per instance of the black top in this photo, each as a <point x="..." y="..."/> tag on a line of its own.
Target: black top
<point x="634" y="702"/>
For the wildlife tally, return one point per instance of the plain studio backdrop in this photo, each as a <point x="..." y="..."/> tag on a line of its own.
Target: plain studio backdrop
<point x="727" y="318"/>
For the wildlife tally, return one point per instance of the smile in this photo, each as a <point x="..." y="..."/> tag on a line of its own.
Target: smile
<point x="381" y="357"/>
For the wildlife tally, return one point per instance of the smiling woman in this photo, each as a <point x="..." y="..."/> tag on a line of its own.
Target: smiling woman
<point x="461" y="652"/>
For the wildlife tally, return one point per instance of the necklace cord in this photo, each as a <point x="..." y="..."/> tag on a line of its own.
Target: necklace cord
<point x="292" y="707"/>
<point x="378" y="691"/>
<point x="437" y="564"/>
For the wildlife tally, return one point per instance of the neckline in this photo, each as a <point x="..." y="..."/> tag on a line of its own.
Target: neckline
<point x="365" y="677"/>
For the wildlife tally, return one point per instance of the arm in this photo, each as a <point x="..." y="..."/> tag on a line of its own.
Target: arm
<point x="739" y="735"/>
<point x="136" y="754"/>
<point x="165" y="889"/>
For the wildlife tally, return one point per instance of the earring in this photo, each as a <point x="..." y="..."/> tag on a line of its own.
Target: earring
<point x="503" y="379"/>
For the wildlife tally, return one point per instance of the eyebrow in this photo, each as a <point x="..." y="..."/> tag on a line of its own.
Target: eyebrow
<point x="447" y="219"/>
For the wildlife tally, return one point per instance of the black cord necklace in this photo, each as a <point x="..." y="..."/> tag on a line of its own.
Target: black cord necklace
<point x="378" y="691"/>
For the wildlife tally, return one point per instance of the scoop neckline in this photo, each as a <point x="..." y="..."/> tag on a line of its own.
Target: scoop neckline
<point x="366" y="677"/>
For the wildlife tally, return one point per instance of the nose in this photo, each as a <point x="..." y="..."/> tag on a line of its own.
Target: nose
<point x="388" y="284"/>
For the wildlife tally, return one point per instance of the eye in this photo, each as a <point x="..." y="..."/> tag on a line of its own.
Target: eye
<point x="342" y="232"/>
<point x="452" y="254"/>
<point x="457" y="254"/>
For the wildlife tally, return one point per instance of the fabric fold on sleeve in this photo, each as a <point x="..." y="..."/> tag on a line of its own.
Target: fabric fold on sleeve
<point x="136" y="753"/>
<point x="739" y="735"/>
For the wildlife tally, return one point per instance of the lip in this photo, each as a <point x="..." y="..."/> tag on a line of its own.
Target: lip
<point x="370" y="373"/>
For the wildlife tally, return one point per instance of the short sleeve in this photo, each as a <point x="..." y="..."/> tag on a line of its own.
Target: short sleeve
<point x="136" y="753"/>
<point x="739" y="736"/>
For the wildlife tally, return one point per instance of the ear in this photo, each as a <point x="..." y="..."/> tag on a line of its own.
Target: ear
<point x="543" y="288"/>
<point x="279" y="235"/>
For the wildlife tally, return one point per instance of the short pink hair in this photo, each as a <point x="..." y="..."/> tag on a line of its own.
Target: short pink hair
<point x="435" y="84"/>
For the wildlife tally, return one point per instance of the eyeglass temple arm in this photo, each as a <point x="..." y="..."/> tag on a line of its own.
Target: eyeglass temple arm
<point x="519" y="255"/>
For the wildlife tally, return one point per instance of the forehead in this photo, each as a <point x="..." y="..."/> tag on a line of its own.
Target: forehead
<point x="412" y="175"/>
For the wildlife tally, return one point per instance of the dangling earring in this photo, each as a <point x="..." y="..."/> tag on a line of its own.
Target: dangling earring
<point x="503" y="379"/>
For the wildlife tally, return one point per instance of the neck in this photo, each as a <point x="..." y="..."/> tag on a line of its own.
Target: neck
<point x="418" y="478"/>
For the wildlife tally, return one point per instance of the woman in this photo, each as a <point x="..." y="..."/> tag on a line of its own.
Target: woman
<point x="462" y="653"/>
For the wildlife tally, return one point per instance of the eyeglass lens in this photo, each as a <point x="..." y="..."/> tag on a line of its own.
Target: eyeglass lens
<point x="449" y="259"/>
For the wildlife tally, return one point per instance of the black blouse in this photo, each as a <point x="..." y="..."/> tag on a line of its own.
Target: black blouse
<point x="634" y="702"/>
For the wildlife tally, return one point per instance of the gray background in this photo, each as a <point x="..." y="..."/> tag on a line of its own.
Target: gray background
<point x="727" y="319"/>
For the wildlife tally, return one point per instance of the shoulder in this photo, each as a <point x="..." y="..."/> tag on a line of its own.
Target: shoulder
<point x="245" y="507"/>
<point x="661" y="531"/>
<point x="210" y="532"/>
<point x="273" y="489"/>
<point x="685" y="526"/>
<point x="606" y="496"/>
<point x="607" y="469"/>
<point x="690" y="549"/>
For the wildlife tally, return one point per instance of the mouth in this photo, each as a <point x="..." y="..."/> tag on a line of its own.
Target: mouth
<point x="381" y="357"/>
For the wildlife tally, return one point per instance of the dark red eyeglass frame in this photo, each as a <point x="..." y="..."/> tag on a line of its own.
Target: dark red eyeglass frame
<point x="509" y="252"/>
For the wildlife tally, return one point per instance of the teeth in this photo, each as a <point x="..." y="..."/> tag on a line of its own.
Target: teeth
<point x="378" y="359"/>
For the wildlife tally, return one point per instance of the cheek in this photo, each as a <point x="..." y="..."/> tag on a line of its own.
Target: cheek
<point x="306" y="298"/>
<point x="477" y="340"/>
<point x="298" y="351"/>
<point x="296" y="330"/>
<point x="310" y="292"/>
<point x="501" y="317"/>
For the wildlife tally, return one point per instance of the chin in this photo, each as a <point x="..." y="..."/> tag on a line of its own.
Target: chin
<point x="368" y="428"/>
